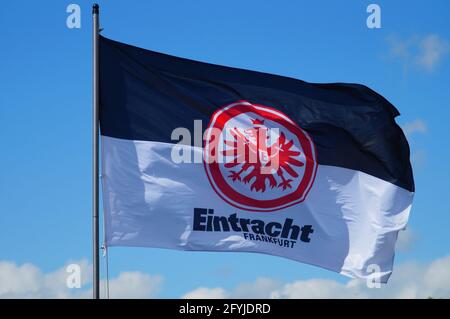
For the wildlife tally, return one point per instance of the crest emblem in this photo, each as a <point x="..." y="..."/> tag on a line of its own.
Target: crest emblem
<point x="258" y="159"/>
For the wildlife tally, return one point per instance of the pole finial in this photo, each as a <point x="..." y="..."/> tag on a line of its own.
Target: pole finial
<point x="95" y="8"/>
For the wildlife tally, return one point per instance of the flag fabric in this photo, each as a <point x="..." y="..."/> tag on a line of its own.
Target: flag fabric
<point x="196" y="156"/>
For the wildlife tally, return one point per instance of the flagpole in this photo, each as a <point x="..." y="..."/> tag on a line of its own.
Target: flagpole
<point x="95" y="138"/>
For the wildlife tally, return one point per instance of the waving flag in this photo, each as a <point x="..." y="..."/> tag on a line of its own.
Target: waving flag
<point x="198" y="156"/>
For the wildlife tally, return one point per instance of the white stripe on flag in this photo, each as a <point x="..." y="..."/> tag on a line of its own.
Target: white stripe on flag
<point x="149" y="201"/>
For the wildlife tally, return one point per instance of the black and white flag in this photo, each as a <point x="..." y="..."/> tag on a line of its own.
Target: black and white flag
<point x="198" y="156"/>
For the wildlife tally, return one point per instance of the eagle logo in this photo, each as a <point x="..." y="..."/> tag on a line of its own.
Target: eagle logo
<point x="255" y="142"/>
<point x="257" y="158"/>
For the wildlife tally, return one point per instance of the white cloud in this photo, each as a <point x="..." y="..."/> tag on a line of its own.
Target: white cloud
<point x="431" y="50"/>
<point x="134" y="285"/>
<point x="406" y="239"/>
<point x="206" y="293"/>
<point x="425" y="52"/>
<point x="409" y="280"/>
<point x="314" y="288"/>
<point x="257" y="289"/>
<point x="260" y="288"/>
<point x="18" y="280"/>
<point x="28" y="281"/>
<point x="416" y="126"/>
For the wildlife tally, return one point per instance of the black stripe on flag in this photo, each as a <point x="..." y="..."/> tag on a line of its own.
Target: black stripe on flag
<point x="145" y="95"/>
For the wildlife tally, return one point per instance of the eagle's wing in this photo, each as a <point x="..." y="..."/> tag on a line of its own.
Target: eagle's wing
<point x="239" y="141"/>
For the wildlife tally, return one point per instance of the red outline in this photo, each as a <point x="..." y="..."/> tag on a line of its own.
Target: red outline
<point x="223" y="189"/>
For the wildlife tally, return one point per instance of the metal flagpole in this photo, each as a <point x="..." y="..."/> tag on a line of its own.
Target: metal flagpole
<point x="95" y="138"/>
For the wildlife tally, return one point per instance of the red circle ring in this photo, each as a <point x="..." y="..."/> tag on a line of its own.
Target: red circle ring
<point x="238" y="200"/>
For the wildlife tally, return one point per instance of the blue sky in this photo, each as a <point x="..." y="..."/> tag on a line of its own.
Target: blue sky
<point x="45" y="116"/>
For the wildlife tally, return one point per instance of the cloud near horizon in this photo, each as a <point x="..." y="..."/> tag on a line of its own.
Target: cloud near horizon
<point x="28" y="281"/>
<point x="409" y="280"/>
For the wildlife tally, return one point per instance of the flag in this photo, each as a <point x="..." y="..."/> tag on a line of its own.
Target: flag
<point x="202" y="157"/>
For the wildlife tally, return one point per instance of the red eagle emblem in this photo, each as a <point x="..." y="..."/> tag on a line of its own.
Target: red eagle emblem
<point x="256" y="154"/>
<point x="257" y="158"/>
